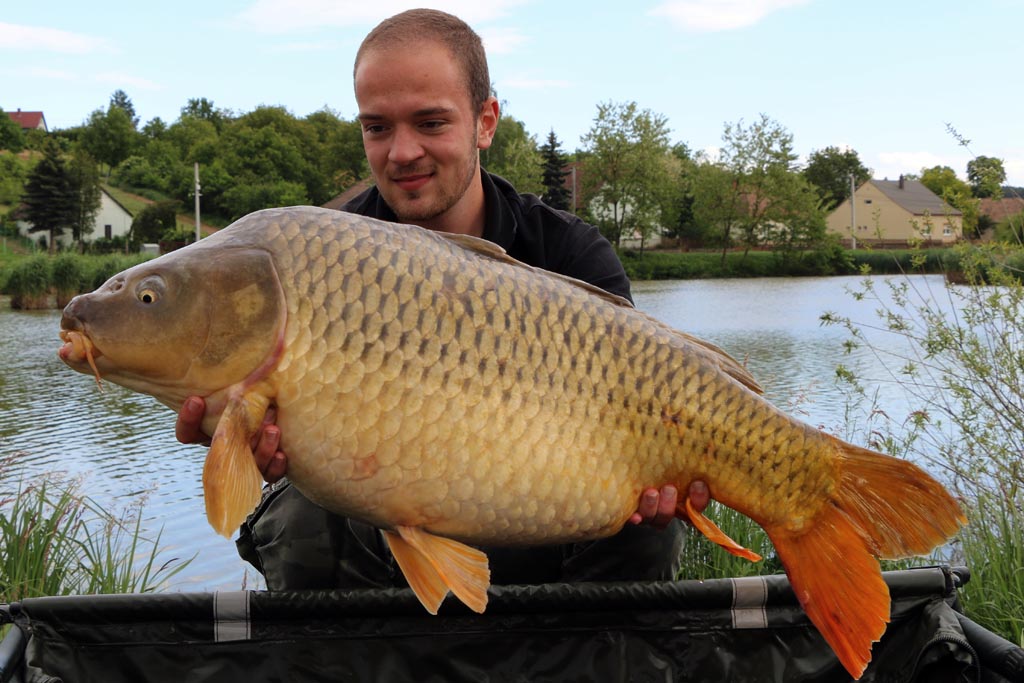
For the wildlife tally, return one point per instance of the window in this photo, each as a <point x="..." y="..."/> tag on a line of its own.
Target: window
<point x="108" y="231"/>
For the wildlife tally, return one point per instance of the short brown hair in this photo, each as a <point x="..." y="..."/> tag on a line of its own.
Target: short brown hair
<point x="419" y="25"/>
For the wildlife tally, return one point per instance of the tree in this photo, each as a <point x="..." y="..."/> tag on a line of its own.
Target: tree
<point x="204" y="109"/>
<point x="718" y="206"/>
<point x="942" y="180"/>
<point x="986" y="176"/>
<point x="85" y="180"/>
<point x="761" y="158"/>
<point x="513" y="155"/>
<point x="829" y="171"/>
<point x="121" y="100"/>
<point x="11" y="137"/>
<point x="556" y="194"/>
<point x="50" y="198"/>
<point x="624" y="169"/>
<point x="109" y="136"/>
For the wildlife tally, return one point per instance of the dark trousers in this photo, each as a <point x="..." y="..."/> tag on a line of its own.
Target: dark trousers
<point x="298" y="545"/>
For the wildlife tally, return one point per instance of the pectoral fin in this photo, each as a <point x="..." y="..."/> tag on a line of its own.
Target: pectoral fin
<point x="231" y="481"/>
<point x="433" y="565"/>
<point x="716" y="535"/>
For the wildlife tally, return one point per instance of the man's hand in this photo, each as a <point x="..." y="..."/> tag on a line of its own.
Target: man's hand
<point x="271" y="461"/>
<point x="658" y="508"/>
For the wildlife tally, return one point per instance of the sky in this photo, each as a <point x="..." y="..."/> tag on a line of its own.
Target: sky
<point x="887" y="79"/>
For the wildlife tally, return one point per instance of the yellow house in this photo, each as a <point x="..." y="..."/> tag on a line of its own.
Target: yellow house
<point x="894" y="213"/>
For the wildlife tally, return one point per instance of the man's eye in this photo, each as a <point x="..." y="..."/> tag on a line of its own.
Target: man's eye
<point x="432" y="125"/>
<point x="373" y="130"/>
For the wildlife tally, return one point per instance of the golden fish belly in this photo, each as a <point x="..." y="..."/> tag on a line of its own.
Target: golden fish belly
<point x="479" y="400"/>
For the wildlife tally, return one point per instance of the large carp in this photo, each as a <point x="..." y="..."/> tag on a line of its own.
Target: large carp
<point x="450" y="395"/>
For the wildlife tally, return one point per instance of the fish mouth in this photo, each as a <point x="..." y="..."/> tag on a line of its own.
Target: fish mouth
<point x="78" y="349"/>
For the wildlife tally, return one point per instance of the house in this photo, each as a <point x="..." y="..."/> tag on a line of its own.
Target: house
<point x="1001" y="209"/>
<point x="112" y="220"/>
<point x="29" y="120"/>
<point x="894" y="213"/>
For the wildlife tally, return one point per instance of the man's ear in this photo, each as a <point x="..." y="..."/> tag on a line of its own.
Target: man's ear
<point x="487" y="122"/>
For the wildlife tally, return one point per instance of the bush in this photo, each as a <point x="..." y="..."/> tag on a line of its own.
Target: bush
<point x="29" y="283"/>
<point x="963" y="368"/>
<point x="68" y="277"/>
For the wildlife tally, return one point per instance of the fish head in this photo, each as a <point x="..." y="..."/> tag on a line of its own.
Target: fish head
<point x="192" y="322"/>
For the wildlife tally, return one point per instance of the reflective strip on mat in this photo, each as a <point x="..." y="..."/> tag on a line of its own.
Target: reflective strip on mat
<point x="231" y="615"/>
<point x="749" y="597"/>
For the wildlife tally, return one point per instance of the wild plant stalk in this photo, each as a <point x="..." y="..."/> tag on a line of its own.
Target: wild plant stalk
<point x="55" y="542"/>
<point x="958" y="353"/>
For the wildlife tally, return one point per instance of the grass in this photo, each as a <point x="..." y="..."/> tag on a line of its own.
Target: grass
<point x="54" y="541"/>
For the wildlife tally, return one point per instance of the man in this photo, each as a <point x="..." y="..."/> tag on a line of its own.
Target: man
<point x="423" y="90"/>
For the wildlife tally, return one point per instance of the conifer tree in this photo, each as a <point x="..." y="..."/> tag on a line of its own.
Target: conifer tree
<point x="50" y="198"/>
<point x="556" y="194"/>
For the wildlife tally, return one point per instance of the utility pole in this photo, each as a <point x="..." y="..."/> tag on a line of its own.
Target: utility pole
<point x="198" y="195"/>
<point x="853" y="212"/>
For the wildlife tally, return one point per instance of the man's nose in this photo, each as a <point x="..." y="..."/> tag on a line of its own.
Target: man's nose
<point x="405" y="146"/>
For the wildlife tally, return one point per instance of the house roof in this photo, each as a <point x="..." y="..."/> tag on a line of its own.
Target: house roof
<point x="913" y="196"/>
<point x="114" y="199"/>
<point x="1001" y="209"/>
<point x="28" y="120"/>
<point x="349" y="194"/>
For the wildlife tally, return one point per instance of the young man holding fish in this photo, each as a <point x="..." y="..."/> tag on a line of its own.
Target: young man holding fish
<point x="423" y="90"/>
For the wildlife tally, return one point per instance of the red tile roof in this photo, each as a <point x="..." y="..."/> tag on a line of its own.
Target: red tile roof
<point x="1001" y="209"/>
<point x="28" y="120"/>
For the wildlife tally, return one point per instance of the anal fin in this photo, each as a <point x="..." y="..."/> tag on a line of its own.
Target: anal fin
<point x="714" y="534"/>
<point x="433" y="565"/>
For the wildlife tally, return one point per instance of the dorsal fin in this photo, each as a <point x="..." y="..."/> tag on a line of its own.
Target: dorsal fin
<point x="727" y="363"/>
<point x="492" y="250"/>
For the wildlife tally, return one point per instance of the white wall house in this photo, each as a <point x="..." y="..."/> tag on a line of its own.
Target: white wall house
<point x="112" y="220"/>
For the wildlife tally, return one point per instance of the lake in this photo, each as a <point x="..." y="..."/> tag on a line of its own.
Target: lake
<point x="121" y="445"/>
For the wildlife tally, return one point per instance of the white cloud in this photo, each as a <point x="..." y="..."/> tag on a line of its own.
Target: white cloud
<point x="41" y="38"/>
<point x="282" y="16"/>
<point x="720" y="15"/>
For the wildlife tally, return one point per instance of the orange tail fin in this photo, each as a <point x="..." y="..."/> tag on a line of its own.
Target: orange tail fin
<point x="882" y="507"/>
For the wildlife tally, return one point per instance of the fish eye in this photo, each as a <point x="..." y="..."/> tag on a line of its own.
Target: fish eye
<point x="147" y="296"/>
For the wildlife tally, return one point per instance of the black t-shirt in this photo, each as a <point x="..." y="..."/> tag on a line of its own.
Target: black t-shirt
<point x="532" y="232"/>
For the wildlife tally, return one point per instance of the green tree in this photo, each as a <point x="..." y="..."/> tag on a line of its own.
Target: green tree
<point x="204" y="110"/>
<point x="121" y="100"/>
<point x="943" y="181"/>
<point x="11" y="137"/>
<point x="13" y="172"/>
<point x="85" y="179"/>
<point x="513" y="155"/>
<point x="718" y="206"/>
<point x="337" y="153"/>
<point x="763" y="163"/>
<point x="829" y="170"/>
<point x="986" y="176"/>
<point x="556" y="194"/>
<point x="109" y="136"/>
<point x="50" y="198"/>
<point x="624" y="170"/>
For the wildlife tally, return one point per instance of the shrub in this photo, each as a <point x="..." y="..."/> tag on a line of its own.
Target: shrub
<point x="68" y="277"/>
<point x="29" y="283"/>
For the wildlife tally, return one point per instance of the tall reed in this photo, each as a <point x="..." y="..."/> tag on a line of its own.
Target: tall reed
<point x="54" y="541"/>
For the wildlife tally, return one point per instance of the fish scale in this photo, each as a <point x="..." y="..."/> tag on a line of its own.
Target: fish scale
<point x="436" y="388"/>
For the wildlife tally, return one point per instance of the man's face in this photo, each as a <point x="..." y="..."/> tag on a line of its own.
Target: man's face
<point x="420" y="131"/>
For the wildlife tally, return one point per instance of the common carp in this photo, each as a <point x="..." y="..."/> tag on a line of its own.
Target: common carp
<point x="432" y="386"/>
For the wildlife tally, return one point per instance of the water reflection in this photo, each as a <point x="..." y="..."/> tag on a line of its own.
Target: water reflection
<point x="120" y="443"/>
